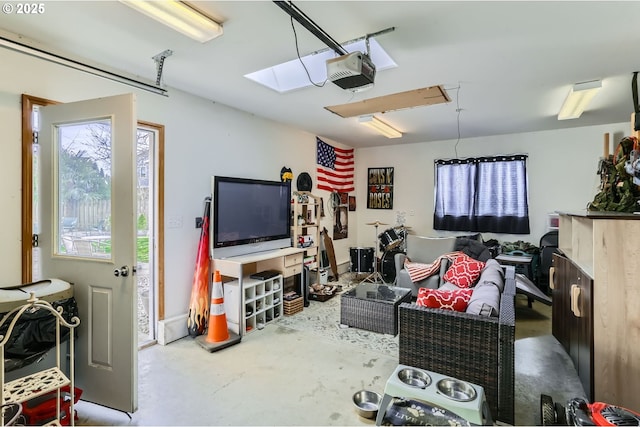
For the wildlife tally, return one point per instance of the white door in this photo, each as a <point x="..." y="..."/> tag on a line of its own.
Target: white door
<point x="87" y="236"/>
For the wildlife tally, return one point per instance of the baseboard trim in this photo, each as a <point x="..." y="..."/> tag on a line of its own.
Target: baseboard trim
<point x="344" y="267"/>
<point x="172" y="329"/>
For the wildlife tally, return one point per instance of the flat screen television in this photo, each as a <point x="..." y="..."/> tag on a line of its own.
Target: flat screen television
<point x="249" y="215"/>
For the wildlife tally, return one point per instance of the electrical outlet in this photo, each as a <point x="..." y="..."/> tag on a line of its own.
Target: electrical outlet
<point x="412" y="212"/>
<point x="174" y="222"/>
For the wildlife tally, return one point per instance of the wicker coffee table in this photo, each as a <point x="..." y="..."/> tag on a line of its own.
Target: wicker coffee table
<point x="373" y="307"/>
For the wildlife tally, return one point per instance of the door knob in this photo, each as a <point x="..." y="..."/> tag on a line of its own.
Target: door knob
<point x="122" y="271"/>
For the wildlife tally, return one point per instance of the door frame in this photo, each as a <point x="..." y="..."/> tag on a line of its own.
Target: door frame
<point x="28" y="102"/>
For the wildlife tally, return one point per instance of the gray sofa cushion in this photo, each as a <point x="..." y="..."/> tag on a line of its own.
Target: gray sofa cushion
<point x="492" y="273"/>
<point x="446" y="286"/>
<point x="427" y="249"/>
<point x="485" y="299"/>
<point x="432" y="282"/>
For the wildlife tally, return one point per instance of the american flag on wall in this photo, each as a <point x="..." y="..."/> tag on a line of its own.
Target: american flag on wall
<point x="335" y="168"/>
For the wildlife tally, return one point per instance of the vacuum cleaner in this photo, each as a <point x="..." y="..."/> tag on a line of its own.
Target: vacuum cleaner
<point x="579" y="412"/>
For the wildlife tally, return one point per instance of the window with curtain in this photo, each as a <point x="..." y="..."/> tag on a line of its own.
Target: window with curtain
<point x="483" y="194"/>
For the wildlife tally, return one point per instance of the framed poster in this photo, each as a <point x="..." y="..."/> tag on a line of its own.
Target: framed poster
<point x="341" y="218"/>
<point x="380" y="188"/>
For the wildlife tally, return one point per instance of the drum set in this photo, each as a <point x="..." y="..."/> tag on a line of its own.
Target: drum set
<point x="365" y="259"/>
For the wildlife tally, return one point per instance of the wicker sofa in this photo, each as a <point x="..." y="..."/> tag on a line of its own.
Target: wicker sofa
<point x="471" y="347"/>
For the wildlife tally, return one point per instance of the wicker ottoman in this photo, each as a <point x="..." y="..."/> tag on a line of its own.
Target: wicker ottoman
<point x="373" y="307"/>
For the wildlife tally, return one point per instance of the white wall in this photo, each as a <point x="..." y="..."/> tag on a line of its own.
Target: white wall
<point x="204" y="138"/>
<point x="561" y="168"/>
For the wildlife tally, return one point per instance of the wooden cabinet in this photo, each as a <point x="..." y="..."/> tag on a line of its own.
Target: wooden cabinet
<point x="596" y="296"/>
<point x="305" y="233"/>
<point x="581" y="347"/>
<point x="560" y="309"/>
<point x="572" y="317"/>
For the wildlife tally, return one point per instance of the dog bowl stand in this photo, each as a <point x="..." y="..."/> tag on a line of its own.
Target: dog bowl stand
<point x="476" y="411"/>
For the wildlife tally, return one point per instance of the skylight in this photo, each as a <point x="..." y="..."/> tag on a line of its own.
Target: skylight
<point x="291" y="75"/>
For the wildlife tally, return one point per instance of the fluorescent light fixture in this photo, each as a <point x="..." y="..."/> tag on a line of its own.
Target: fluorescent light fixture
<point x="291" y="75"/>
<point x="179" y="16"/>
<point x="578" y="98"/>
<point x="380" y="126"/>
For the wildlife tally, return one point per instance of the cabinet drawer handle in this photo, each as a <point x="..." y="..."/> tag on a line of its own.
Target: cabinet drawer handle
<point x="575" y="300"/>
<point x="552" y="277"/>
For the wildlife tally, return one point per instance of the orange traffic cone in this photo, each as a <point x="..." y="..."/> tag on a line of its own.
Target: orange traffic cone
<point x="217" y="318"/>
<point x="218" y="335"/>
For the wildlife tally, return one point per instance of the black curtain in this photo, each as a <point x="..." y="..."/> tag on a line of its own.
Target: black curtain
<point x="483" y="194"/>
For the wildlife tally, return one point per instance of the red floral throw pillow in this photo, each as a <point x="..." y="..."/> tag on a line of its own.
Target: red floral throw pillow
<point x="449" y="300"/>
<point x="464" y="271"/>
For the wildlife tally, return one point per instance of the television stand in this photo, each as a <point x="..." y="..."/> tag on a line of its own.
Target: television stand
<point x="288" y="261"/>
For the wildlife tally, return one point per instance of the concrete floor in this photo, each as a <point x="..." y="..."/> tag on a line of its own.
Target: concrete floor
<point x="541" y="363"/>
<point x="279" y="376"/>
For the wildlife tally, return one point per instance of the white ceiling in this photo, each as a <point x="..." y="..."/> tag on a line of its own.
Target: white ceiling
<point x="506" y="65"/>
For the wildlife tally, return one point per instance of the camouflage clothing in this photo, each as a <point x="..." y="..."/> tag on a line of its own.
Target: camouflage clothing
<point x="617" y="193"/>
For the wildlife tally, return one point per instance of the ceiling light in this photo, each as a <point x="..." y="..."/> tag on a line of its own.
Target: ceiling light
<point x="380" y="126"/>
<point x="179" y="16"/>
<point x="578" y="98"/>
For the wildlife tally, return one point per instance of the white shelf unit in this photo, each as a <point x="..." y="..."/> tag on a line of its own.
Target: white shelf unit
<point x="260" y="302"/>
<point x="287" y="261"/>
<point x="306" y="206"/>
<point x="42" y="382"/>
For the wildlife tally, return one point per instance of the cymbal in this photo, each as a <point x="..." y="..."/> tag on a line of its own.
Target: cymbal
<point x="377" y="223"/>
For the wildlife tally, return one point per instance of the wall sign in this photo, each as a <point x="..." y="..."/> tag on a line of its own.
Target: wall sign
<point x="380" y="188"/>
<point x="341" y="218"/>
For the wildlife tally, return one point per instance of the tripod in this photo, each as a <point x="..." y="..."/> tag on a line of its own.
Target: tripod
<point x="375" y="277"/>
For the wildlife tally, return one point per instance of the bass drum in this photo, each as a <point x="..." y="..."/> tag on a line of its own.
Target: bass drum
<point x="388" y="266"/>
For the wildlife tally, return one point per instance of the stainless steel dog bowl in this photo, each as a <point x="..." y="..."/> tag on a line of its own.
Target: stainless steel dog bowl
<point x="456" y="389"/>
<point x="414" y="377"/>
<point x="367" y="403"/>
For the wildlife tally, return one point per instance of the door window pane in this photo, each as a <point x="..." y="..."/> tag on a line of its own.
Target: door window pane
<point x="83" y="171"/>
<point x="145" y="274"/>
<point x="36" y="266"/>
